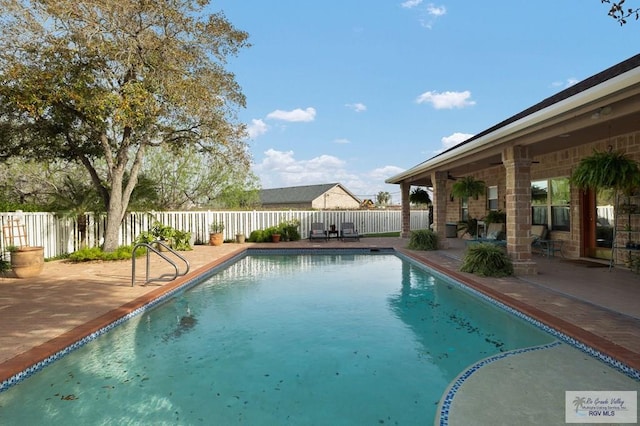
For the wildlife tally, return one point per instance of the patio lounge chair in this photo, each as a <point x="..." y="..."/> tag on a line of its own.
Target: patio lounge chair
<point x="317" y="232"/>
<point x="538" y="238"/>
<point x="348" y="231"/>
<point x="495" y="235"/>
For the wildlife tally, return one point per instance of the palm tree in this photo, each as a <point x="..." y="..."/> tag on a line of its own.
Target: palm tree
<point x="383" y="198"/>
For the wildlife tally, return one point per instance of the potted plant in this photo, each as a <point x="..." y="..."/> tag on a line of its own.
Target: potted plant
<point x="240" y="237"/>
<point x="289" y="230"/>
<point x="163" y="233"/>
<point x="26" y="261"/>
<point x="607" y="170"/>
<point x="468" y="187"/>
<point x="272" y="233"/>
<point x="216" y="238"/>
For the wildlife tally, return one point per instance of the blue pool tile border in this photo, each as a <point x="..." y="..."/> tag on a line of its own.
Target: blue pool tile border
<point x="446" y="403"/>
<point x="454" y="387"/>
<point x="19" y="377"/>
<point x="623" y="368"/>
<point x="28" y="372"/>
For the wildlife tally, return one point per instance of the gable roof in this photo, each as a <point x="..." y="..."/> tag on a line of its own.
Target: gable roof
<point x="298" y="194"/>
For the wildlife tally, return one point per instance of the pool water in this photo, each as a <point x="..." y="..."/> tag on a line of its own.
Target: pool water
<point x="342" y="339"/>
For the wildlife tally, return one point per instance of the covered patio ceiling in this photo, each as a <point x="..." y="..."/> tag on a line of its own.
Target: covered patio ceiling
<point x="574" y="117"/>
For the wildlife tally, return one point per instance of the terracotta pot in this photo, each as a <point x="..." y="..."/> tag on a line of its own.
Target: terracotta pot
<point x="27" y="262"/>
<point x="275" y="238"/>
<point x="216" y="239"/>
<point x="240" y="238"/>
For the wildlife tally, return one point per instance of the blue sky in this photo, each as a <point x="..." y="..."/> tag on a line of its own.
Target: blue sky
<point x="357" y="91"/>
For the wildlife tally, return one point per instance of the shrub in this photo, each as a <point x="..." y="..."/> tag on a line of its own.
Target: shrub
<point x="423" y="239"/>
<point x="257" y="236"/>
<point x="289" y="230"/>
<point x="88" y="254"/>
<point x="178" y="240"/>
<point x="487" y="260"/>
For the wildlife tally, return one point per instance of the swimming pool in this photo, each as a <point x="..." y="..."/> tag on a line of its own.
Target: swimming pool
<point x="322" y="339"/>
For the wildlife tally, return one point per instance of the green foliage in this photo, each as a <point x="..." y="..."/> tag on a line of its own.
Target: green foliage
<point x="268" y="232"/>
<point x="469" y="226"/>
<point x="89" y="254"/>
<point x="289" y="230"/>
<point x="181" y="240"/>
<point x="603" y="170"/>
<point x="496" y="216"/>
<point x="419" y="196"/>
<point x="105" y="101"/>
<point x="467" y="187"/>
<point x="383" y="198"/>
<point x="487" y="260"/>
<point x="257" y="236"/>
<point x="5" y="265"/>
<point x="176" y="239"/>
<point x="423" y="239"/>
<point x="216" y="227"/>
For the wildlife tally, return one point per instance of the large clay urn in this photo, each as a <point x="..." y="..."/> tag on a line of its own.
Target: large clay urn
<point x="27" y="262"/>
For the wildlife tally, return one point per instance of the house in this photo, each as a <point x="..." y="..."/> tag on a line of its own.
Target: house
<point x="324" y="196"/>
<point x="534" y="152"/>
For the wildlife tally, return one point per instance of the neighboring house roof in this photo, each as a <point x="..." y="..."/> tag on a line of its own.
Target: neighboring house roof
<point x="566" y="104"/>
<point x="298" y="194"/>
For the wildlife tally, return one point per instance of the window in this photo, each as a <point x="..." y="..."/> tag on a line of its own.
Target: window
<point x="464" y="208"/>
<point x="492" y="198"/>
<point x="550" y="203"/>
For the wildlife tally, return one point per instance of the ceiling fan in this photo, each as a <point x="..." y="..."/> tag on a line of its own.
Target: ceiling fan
<point x="451" y="177"/>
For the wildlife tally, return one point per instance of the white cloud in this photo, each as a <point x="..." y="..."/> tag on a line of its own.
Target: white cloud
<point x="383" y="173"/>
<point x="257" y="128"/>
<point x="281" y="169"/>
<point x="427" y="15"/>
<point x="357" y="107"/>
<point x="295" y="115"/>
<point x="342" y="141"/>
<point x="565" y="84"/>
<point x="436" y="11"/>
<point x="454" y="139"/>
<point x="446" y="100"/>
<point x="409" y="4"/>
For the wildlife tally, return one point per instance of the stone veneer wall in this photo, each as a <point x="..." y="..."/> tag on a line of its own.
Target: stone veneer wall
<point x="553" y="165"/>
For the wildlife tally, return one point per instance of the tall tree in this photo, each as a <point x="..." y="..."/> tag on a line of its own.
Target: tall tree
<point x="383" y="198"/>
<point x="195" y="179"/>
<point x="101" y="82"/>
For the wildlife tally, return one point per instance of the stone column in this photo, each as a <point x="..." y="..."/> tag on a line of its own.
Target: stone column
<point x="517" y="162"/>
<point x="405" y="187"/>
<point x="439" y="181"/>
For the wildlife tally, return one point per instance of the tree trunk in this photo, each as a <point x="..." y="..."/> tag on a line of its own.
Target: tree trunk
<point x="114" y="219"/>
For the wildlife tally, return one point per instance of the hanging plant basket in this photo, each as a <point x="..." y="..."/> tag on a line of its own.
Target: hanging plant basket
<point x="607" y="170"/>
<point x="467" y="187"/>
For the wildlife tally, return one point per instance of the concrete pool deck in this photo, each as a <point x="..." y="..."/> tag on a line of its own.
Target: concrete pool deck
<point x="40" y="316"/>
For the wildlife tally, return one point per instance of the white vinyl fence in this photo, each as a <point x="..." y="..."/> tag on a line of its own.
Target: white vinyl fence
<point x="65" y="235"/>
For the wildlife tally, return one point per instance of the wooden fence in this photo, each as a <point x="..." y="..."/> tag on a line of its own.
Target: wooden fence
<point x="65" y="235"/>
